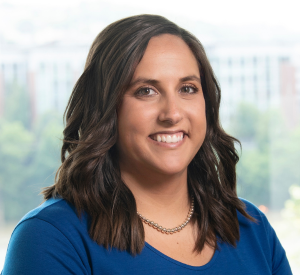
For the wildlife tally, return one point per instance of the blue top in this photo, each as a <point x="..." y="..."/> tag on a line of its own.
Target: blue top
<point x="51" y="239"/>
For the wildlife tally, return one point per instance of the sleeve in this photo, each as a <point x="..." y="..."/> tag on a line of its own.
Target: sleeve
<point x="38" y="247"/>
<point x="280" y="264"/>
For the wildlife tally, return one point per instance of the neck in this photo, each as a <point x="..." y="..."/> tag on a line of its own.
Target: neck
<point x="159" y="197"/>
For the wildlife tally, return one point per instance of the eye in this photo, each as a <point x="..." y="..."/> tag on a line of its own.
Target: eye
<point x="145" y="91"/>
<point x="189" y="89"/>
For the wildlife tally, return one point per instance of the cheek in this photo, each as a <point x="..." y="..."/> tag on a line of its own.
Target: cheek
<point x="197" y="113"/>
<point x="133" y="122"/>
<point x="198" y="121"/>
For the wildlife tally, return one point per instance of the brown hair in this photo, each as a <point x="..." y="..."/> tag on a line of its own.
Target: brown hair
<point x="90" y="178"/>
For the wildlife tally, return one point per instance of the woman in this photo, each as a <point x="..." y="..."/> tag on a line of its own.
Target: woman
<point x="147" y="183"/>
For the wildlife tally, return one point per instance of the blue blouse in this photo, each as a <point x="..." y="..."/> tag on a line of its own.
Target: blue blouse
<point x="51" y="239"/>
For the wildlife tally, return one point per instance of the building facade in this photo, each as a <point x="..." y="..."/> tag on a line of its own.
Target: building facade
<point x="266" y="75"/>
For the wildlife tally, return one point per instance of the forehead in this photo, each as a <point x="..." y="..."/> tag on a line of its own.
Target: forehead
<point x="167" y="53"/>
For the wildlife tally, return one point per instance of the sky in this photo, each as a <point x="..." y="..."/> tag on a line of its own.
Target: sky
<point x="231" y="12"/>
<point x="49" y="18"/>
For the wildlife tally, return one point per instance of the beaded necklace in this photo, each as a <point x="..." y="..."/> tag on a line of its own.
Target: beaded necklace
<point x="169" y="230"/>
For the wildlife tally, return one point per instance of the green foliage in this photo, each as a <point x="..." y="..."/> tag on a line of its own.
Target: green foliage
<point x="28" y="162"/>
<point x="253" y="177"/>
<point x="29" y="154"/>
<point x="17" y="105"/>
<point x="15" y="146"/>
<point x="269" y="163"/>
<point x="284" y="159"/>
<point x="244" y="124"/>
<point x="250" y="126"/>
<point x="44" y="158"/>
<point x="293" y="204"/>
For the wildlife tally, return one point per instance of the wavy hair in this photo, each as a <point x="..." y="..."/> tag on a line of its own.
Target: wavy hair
<point x="89" y="176"/>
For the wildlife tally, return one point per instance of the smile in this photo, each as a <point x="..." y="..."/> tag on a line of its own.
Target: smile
<point x="167" y="138"/>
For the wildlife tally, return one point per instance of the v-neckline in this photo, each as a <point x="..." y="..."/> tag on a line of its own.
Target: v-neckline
<point x="202" y="267"/>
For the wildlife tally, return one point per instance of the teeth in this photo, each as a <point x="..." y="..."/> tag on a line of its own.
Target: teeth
<point x="169" y="138"/>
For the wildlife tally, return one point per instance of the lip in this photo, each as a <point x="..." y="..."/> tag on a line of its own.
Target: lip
<point x="169" y="132"/>
<point x="168" y="145"/>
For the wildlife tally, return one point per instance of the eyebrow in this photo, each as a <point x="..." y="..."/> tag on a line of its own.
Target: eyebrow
<point x="155" y="82"/>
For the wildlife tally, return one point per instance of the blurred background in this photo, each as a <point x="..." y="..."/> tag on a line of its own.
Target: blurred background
<point x="254" y="49"/>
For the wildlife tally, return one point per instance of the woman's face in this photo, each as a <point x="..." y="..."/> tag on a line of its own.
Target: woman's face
<point x="161" y="120"/>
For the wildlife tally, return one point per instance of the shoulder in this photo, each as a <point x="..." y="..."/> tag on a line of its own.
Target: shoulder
<point x="250" y="208"/>
<point x="260" y="228"/>
<point x="51" y="229"/>
<point x="53" y="211"/>
<point x="254" y="212"/>
<point x="259" y="238"/>
<point x="55" y="218"/>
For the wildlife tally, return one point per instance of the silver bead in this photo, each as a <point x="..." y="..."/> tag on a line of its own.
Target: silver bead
<point x="170" y="230"/>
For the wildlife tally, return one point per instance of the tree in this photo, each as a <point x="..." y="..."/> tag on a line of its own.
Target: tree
<point x="244" y="123"/>
<point x="292" y="206"/>
<point x="15" y="147"/>
<point x="17" y="104"/>
<point x="284" y="165"/>
<point x="45" y="158"/>
<point x="28" y="162"/>
<point x="270" y="157"/>
<point x="250" y="126"/>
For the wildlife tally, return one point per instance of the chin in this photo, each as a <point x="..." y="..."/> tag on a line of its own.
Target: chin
<point x="172" y="168"/>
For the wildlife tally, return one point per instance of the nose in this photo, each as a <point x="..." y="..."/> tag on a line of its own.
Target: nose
<point x="170" y="111"/>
